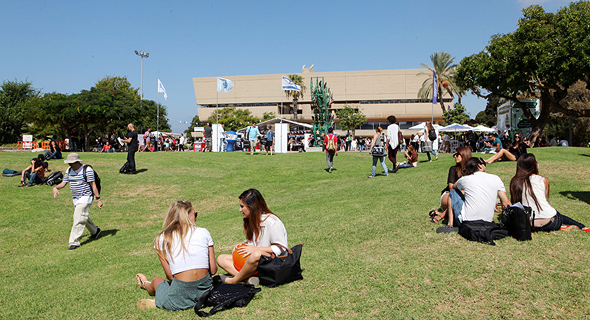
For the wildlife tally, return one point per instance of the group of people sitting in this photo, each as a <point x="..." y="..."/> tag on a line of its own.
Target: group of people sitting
<point x="187" y="254"/>
<point x="471" y="194"/>
<point x="34" y="172"/>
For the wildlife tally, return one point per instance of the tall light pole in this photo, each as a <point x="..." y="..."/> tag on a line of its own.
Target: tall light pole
<point x="142" y="54"/>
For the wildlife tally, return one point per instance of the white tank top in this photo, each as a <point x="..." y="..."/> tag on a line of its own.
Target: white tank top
<point x="546" y="210"/>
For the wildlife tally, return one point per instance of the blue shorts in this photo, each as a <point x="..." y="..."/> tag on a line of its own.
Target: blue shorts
<point x="457" y="200"/>
<point x="180" y="295"/>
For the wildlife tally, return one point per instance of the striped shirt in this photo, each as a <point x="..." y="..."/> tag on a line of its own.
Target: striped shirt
<point x="81" y="190"/>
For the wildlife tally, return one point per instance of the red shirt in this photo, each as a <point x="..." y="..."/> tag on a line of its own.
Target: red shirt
<point x="329" y="136"/>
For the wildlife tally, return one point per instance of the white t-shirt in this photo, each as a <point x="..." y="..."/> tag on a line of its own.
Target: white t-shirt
<point x="547" y="211"/>
<point x="196" y="256"/>
<point x="481" y="191"/>
<point x="392" y="131"/>
<point x="272" y="231"/>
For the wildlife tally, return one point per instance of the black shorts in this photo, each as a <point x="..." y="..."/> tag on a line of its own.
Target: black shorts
<point x="268" y="144"/>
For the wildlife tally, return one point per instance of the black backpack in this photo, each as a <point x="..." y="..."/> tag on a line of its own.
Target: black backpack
<point x="225" y="296"/>
<point x="431" y="135"/>
<point x="518" y="222"/>
<point x="53" y="179"/>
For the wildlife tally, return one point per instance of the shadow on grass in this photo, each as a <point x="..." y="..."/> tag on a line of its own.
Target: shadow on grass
<point x="579" y="195"/>
<point x="585" y="155"/>
<point x="141" y="170"/>
<point x="103" y="233"/>
<point x="328" y="169"/>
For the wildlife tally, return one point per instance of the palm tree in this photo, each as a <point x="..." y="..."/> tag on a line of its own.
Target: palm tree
<point x="445" y="70"/>
<point x="298" y="80"/>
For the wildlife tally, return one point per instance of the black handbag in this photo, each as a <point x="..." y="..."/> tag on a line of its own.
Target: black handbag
<point x="379" y="151"/>
<point x="518" y="222"/>
<point x="277" y="270"/>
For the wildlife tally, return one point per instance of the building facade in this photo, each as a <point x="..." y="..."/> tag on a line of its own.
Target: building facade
<point x="377" y="93"/>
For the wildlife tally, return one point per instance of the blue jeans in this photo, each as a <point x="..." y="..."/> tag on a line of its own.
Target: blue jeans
<point x="404" y="165"/>
<point x="33" y="178"/>
<point x="434" y="153"/>
<point x="457" y="200"/>
<point x="49" y="155"/>
<point x="375" y="159"/>
<point x="559" y="220"/>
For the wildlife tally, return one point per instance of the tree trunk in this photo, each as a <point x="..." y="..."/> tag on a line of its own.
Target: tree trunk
<point x="537" y="125"/>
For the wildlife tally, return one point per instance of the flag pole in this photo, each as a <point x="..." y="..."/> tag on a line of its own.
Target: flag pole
<point x="281" y="103"/>
<point x="158" y="122"/>
<point x="217" y="110"/>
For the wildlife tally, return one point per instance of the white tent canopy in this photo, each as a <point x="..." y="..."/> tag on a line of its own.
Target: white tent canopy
<point x="422" y="125"/>
<point x="455" y="127"/>
<point x="482" y="128"/>
<point x="292" y="124"/>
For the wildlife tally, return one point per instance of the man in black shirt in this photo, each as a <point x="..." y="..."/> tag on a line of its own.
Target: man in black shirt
<point x="132" y="146"/>
<point x="208" y="141"/>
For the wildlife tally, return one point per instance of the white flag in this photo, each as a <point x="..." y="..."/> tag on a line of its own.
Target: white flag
<point x="162" y="89"/>
<point x="289" y="85"/>
<point x="224" y="85"/>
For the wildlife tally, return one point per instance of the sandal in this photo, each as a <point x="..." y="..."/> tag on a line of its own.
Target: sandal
<point x="431" y="213"/>
<point x="140" y="281"/>
<point x="434" y="219"/>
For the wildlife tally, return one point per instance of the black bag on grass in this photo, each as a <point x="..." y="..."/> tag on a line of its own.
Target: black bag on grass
<point x="517" y="219"/>
<point x="124" y="168"/>
<point x="54" y="178"/>
<point x="274" y="271"/>
<point x="225" y="296"/>
<point x="482" y="231"/>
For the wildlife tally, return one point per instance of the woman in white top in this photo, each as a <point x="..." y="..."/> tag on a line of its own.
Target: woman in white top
<point x="427" y="129"/>
<point x="531" y="189"/>
<point x="187" y="255"/>
<point x="263" y="229"/>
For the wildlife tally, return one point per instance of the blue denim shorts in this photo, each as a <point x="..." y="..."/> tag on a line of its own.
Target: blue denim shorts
<point x="457" y="200"/>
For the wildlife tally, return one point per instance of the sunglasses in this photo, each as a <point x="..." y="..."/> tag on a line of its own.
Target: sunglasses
<point x="456" y="154"/>
<point x="482" y="161"/>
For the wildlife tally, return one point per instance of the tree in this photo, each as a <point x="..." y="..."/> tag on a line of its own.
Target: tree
<point x="559" y="125"/>
<point x="489" y="117"/>
<point x="456" y="114"/>
<point x="233" y="118"/>
<point x="14" y="97"/>
<point x="268" y="116"/>
<point x="442" y="64"/>
<point x="296" y="95"/>
<point x="546" y="54"/>
<point x="196" y="122"/>
<point x="350" y="118"/>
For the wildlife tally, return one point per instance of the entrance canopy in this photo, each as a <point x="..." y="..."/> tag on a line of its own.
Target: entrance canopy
<point x="293" y="125"/>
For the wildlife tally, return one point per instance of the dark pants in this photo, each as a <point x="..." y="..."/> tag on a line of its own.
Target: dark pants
<point x="392" y="154"/>
<point x="131" y="160"/>
<point x="559" y="220"/>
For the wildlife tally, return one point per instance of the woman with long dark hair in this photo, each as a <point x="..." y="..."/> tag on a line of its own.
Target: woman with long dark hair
<point x="187" y="255"/>
<point x="263" y="230"/>
<point x="461" y="155"/>
<point x="531" y="189"/>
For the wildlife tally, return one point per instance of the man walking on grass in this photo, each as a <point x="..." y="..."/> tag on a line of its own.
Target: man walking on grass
<point x="331" y="145"/>
<point x="84" y="190"/>
<point x="252" y="132"/>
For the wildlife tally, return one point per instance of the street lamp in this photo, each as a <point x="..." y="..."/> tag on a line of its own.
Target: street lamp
<point x="142" y="54"/>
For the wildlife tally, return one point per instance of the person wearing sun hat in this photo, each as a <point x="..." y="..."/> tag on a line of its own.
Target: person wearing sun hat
<point x="84" y="190"/>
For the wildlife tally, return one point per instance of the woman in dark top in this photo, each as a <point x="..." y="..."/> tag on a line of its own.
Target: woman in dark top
<point x="55" y="151"/>
<point x="412" y="158"/>
<point x="461" y="155"/>
<point x="517" y="149"/>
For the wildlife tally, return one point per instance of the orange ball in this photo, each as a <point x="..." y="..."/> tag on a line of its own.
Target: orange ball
<point x="237" y="258"/>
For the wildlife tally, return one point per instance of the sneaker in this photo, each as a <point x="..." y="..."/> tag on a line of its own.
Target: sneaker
<point x="95" y="236"/>
<point x="73" y="247"/>
<point x="330" y="170"/>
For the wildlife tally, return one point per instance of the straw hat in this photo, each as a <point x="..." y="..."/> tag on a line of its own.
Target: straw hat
<point x="72" y="158"/>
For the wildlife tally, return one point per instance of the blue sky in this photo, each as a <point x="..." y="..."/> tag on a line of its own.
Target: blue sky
<point x="67" y="46"/>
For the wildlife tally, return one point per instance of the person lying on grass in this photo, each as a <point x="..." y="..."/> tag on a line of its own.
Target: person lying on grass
<point x="478" y="199"/>
<point x="461" y="155"/>
<point x="531" y="189"/>
<point x="517" y="149"/>
<point x="187" y="255"/>
<point x="263" y="229"/>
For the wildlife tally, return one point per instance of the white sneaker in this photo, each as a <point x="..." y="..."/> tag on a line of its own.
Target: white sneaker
<point x="254" y="281"/>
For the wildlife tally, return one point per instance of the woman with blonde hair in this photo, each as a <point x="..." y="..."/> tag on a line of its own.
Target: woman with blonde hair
<point x="187" y="255"/>
<point x="265" y="235"/>
<point x="378" y="141"/>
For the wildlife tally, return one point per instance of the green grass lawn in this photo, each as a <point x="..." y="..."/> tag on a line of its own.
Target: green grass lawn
<point x="370" y="250"/>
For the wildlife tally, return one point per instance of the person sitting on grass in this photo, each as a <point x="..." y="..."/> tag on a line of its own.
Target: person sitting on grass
<point x="517" y="149"/>
<point x="461" y="155"/>
<point x="187" y="255"/>
<point x="35" y="172"/>
<point x="494" y="145"/>
<point x="474" y="195"/>
<point x="263" y="229"/>
<point x="411" y="157"/>
<point x="531" y="189"/>
<point x="54" y="151"/>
